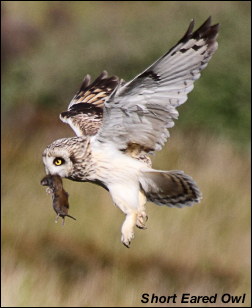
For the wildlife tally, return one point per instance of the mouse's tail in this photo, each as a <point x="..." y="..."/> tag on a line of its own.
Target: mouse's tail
<point x="71" y="216"/>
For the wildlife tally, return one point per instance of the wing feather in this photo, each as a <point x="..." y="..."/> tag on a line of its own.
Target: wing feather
<point x="140" y="111"/>
<point x="85" y="111"/>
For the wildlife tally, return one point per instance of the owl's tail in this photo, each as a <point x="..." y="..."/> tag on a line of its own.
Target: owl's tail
<point x="172" y="188"/>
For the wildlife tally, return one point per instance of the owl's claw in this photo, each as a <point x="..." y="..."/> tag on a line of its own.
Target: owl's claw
<point x="141" y="220"/>
<point x="126" y="245"/>
<point x="127" y="240"/>
<point x="128" y="229"/>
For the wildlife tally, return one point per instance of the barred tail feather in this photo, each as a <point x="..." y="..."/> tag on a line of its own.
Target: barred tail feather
<point x="171" y="188"/>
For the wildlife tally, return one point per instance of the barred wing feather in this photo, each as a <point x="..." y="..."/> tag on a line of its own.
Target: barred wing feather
<point x="140" y="111"/>
<point x="85" y="111"/>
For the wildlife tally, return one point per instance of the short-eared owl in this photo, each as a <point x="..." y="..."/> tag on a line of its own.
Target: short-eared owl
<point x="119" y="124"/>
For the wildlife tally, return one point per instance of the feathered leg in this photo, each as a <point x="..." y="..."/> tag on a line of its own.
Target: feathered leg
<point x="128" y="228"/>
<point x="126" y="198"/>
<point x="141" y="214"/>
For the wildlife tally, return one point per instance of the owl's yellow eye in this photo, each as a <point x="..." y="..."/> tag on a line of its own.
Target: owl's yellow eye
<point x="58" y="161"/>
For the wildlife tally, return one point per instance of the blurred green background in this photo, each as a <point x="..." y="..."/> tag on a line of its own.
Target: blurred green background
<point x="47" y="49"/>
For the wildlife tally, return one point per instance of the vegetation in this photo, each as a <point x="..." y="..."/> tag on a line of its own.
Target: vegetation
<point x="202" y="250"/>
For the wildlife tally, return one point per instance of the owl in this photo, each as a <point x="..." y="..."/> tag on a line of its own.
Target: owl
<point x="119" y="124"/>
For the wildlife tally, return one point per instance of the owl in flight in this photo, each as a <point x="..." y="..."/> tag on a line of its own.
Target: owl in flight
<point x="118" y="124"/>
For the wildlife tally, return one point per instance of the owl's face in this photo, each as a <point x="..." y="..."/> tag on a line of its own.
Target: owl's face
<point x="58" y="162"/>
<point x="59" y="157"/>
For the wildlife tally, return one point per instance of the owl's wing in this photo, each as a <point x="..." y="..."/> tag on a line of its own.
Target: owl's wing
<point x="140" y="111"/>
<point x="84" y="113"/>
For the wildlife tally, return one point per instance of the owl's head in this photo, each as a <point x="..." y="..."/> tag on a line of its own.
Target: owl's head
<point x="60" y="156"/>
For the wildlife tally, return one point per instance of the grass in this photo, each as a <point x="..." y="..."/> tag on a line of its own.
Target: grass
<point x="203" y="250"/>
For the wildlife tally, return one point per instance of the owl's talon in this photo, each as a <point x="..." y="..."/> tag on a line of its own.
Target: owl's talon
<point x="126" y="243"/>
<point x="127" y="237"/>
<point x="141" y="227"/>
<point x="141" y="220"/>
<point x="128" y="229"/>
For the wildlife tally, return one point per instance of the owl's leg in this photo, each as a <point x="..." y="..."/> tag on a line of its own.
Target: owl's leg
<point x="141" y="213"/>
<point x="128" y="228"/>
<point x="126" y="198"/>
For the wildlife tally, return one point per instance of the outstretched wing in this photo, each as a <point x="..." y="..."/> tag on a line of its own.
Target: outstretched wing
<point x="85" y="111"/>
<point x="140" y="111"/>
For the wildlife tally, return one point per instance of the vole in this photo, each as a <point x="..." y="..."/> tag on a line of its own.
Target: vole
<point x="59" y="195"/>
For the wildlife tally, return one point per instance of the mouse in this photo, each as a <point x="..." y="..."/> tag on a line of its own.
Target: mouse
<point x="59" y="196"/>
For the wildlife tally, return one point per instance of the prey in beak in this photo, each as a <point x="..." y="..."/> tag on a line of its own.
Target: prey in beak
<point x="59" y="196"/>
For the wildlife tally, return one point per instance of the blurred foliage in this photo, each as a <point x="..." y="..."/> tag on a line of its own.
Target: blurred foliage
<point x="200" y="250"/>
<point x="47" y="48"/>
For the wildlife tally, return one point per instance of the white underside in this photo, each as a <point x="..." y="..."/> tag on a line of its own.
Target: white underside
<point x="121" y="175"/>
